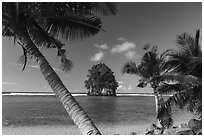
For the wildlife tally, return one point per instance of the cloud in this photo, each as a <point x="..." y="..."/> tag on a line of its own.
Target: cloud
<point x="123" y="47"/>
<point x="121" y="39"/>
<point x="131" y="54"/>
<point x="98" y="56"/>
<point x="102" y="46"/>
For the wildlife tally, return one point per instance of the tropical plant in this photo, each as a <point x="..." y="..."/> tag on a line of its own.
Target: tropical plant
<point x="150" y="66"/>
<point x="184" y="80"/>
<point x="37" y="25"/>
<point x="101" y="81"/>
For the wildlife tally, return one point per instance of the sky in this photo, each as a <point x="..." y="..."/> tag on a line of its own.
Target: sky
<point x="134" y="25"/>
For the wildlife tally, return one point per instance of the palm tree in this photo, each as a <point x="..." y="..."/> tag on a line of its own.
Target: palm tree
<point x="150" y="66"/>
<point x="184" y="79"/>
<point x="42" y="25"/>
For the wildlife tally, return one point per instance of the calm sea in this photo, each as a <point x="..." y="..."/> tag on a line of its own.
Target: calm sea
<point x="26" y="110"/>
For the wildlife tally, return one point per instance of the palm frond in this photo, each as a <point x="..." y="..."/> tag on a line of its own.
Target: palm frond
<point x="195" y="66"/>
<point x="65" y="64"/>
<point x="130" y="68"/>
<point x="165" y="114"/>
<point x="142" y="84"/>
<point x="80" y="8"/>
<point x="165" y="110"/>
<point x="169" y="88"/>
<point x="186" y="80"/>
<point x="41" y="38"/>
<point x="24" y="57"/>
<point x="186" y="43"/>
<point x="154" y="50"/>
<point x="73" y="27"/>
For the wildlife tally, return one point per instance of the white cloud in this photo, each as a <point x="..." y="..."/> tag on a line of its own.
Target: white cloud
<point x="98" y="56"/>
<point x="131" y="54"/>
<point x="102" y="46"/>
<point x="123" y="47"/>
<point x="121" y="38"/>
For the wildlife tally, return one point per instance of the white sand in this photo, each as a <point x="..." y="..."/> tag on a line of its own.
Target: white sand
<point x="71" y="130"/>
<point x="122" y="129"/>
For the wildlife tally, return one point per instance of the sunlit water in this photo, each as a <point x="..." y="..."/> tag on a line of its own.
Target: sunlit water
<point x="28" y="110"/>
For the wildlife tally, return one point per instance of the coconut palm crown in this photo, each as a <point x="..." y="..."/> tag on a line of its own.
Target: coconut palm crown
<point x="184" y="80"/>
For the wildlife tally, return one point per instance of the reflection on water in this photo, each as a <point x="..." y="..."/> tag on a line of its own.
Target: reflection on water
<point x="47" y="110"/>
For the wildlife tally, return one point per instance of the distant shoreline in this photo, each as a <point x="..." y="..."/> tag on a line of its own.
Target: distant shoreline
<point x="74" y="94"/>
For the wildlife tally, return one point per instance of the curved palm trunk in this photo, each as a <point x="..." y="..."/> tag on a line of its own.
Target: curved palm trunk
<point x="77" y="114"/>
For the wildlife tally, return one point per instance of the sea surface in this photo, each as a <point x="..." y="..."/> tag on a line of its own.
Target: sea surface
<point x="29" y="110"/>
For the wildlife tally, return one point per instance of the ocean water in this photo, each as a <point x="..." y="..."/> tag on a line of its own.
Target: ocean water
<point x="25" y="110"/>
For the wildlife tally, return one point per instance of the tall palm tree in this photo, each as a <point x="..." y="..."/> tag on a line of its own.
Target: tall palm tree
<point x="43" y="25"/>
<point x="184" y="79"/>
<point x="150" y="66"/>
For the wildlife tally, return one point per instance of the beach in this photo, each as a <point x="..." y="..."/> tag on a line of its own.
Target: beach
<point x="44" y="115"/>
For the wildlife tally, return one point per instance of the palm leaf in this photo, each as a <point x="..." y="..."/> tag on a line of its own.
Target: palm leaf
<point x="165" y="114"/>
<point x="186" y="43"/>
<point x="80" y="8"/>
<point x="64" y="64"/>
<point x="72" y="27"/>
<point x="165" y="110"/>
<point x="130" y="68"/>
<point x="41" y="38"/>
<point x="186" y="80"/>
<point x="169" y="88"/>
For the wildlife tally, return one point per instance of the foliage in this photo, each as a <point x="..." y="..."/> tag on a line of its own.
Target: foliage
<point x="151" y="65"/>
<point x="184" y="80"/>
<point x="101" y="77"/>
<point x="46" y="23"/>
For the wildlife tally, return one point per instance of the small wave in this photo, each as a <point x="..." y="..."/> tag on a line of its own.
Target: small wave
<point x="73" y="94"/>
<point x="36" y="94"/>
<point x="135" y="94"/>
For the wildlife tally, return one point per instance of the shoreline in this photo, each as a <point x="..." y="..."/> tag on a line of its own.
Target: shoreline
<point x="70" y="130"/>
<point x="106" y="129"/>
<point x="73" y="94"/>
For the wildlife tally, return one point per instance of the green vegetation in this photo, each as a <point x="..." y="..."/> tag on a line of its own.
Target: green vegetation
<point x="150" y="66"/>
<point x="184" y="80"/>
<point x="41" y="25"/>
<point x="101" y="81"/>
<point x="175" y="72"/>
